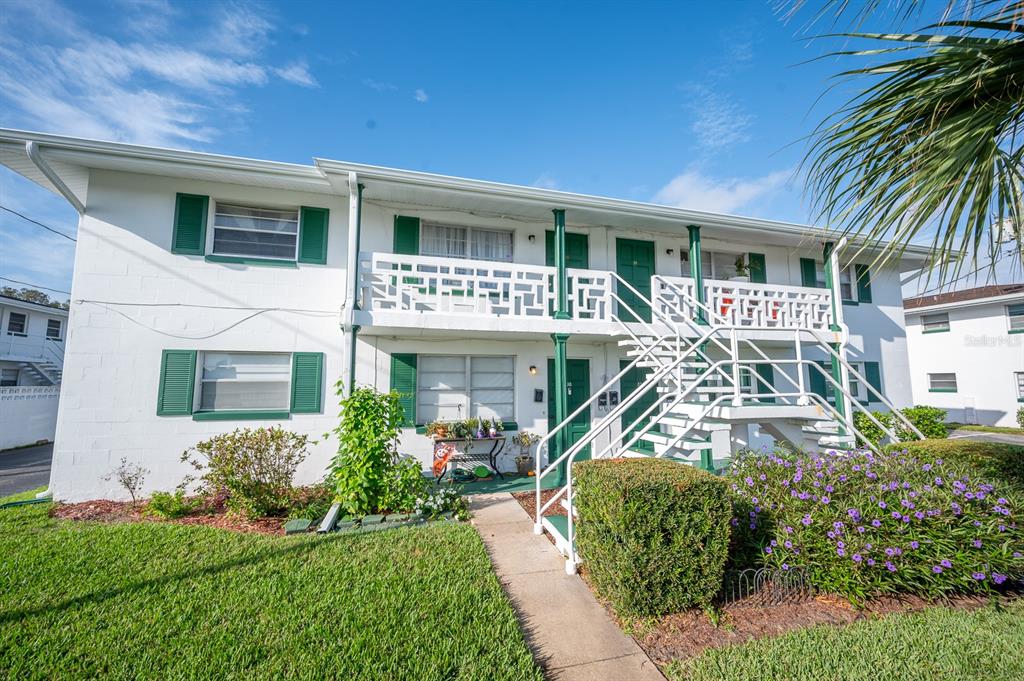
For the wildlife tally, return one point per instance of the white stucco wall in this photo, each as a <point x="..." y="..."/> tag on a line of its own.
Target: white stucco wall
<point x="982" y="353"/>
<point x="112" y="365"/>
<point x="28" y="415"/>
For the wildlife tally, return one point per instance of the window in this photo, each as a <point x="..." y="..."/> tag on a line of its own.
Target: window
<point x="715" y="264"/>
<point x="17" y="323"/>
<point x="255" y="232"/>
<point x="8" y="378"/>
<point x="458" y="387"/>
<point x="846" y="289"/>
<point x="239" y="381"/>
<point x="935" y="323"/>
<point x="1015" y="313"/>
<point x="856" y="391"/>
<point x="942" y="383"/>
<point x="53" y="329"/>
<point x="849" y="290"/>
<point x="1019" y="377"/>
<point x="450" y="241"/>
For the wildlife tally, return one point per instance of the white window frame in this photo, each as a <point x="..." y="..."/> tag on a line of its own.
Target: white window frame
<point x="847" y="276"/>
<point x="1019" y="378"/>
<point x="1010" y="318"/>
<point x="857" y="391"/>
<point x="466" y="409"/>
<point x="940" y="322"/>
<point x="197" y="397"/>
<point x="24" y="324"/>
<point x="212" y="227"/>
<point x="707" y="261"/>
<point x="60" y="329"/>
<point x="933" y="377"/>
<point x="471" y="232"/>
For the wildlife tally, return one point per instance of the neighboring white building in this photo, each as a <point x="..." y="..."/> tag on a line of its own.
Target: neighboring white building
<point x="31" y="359"/>
<point x="214" y="292"/>
<point x="967" y="353"/>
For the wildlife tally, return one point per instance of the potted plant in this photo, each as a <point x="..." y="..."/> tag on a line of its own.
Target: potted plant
<point x="525" y="440"/>
<point x="485" y="427"/>
<point x="742" y="269"/>
<point x="437" y="430"/>
<point x="473" y="426"/>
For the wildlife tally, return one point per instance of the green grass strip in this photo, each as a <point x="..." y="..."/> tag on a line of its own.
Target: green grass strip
<point x="83" y="600"/>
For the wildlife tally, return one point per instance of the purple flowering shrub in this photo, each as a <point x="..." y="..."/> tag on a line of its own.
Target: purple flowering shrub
<point x="861" y="524"/>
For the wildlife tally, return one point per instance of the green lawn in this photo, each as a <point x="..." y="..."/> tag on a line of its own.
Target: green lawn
<point x="987" y="429"/>
<point x="162" y="601"/>
<point x="938" y="643"/>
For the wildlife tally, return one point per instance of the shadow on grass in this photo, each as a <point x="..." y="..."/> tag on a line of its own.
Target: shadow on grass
<point x="106" y="594"/>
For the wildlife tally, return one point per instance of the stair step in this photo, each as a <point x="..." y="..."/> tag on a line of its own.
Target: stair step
<point x="664" y="439"/>
<point x="703" y="390"/>
<point x="558" y="527"/>
<point x="683" y="459"/>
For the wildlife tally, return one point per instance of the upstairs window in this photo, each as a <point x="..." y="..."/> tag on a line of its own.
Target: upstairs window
<point x="935" y="323"/>
<point x="17" y="323"/>
<point x="452" y="241"/>
<point x="53" y="328"/>
<point x="942" y="383"/>
<point x="1019" y="378"/>
<point x="1015" y="313"/>
<point x="240" y="381"/>
<point x="248" y="231"/>
<point x="718" y="265"/>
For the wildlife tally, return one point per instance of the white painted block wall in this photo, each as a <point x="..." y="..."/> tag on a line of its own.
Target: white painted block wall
<point x="28" y="415"/>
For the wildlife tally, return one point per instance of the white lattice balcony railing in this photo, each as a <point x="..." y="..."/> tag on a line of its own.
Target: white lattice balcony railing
<point x="416" y="283"/>
<point x="745" y="304"/>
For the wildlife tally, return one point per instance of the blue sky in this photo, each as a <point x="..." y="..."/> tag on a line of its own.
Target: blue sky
<point x="665" y="102"/>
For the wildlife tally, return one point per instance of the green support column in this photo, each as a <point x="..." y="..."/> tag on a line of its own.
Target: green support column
<point x="697" y="271"/>
<point x="561" y="276"/>
<point x="352" y="360"/>
<point x="837" y="371"/>
<point x="561" y="402"/>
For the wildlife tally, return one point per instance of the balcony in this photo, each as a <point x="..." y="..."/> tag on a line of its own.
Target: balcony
<point x="402" y="291"/>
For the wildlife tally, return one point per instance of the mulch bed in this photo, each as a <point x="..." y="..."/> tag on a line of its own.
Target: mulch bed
<point x="687" y="634"/>
<point x="104" y="510"/>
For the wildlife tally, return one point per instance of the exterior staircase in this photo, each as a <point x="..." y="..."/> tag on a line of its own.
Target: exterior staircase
<point x="49" y="373"/>
<point x="700" y="388"/>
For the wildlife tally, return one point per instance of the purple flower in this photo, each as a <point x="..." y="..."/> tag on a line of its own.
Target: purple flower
<point x="914" y="544"/>
<point x="1018" y="554"/>
<point x="788" y="544"/>
<point x="870" y="562"/>
<point x="890" y="567"/>
<point x="938" y="482"/>
<point x="998" y="578"/>
<point x="876" y="523"/>
<point x="856" y="558"/>
<point x="906" y="519"/>
<point x="937" y="569"/>
<point x="861" y="529"/>
<point x="840" y="551"/>
<point x="749" y="480"/>
<point x="788" y="529"/>
<point x="927" y="467"/>
<point x="831" y="534"/>
<point x="919" y="515"/>
<point x="896" y="515"/>
<point x="978" y="575"/>
<point x="1001" y="501"/>
<point x="976" y="543"/>
<point x="945" y="563"/>
<point x="825" y="500"/>
<point x="767" y="549"/>
<point x="785" y="566"/>
<point x="806" y="520"/>
<point x="881" y="504"/>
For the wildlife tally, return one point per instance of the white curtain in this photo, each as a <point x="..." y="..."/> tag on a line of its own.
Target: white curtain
<point x="444" y="241"/>
<point x="492" y="245"/>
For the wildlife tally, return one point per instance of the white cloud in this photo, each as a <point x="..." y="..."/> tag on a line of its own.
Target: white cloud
<point x="546" y="181"/>
<point x="421" y="96"/>
<point x="379" y="86"/>
<point x="692" y="189"/>
<point x="174" y="90"/>
<point x="718" y="122"/>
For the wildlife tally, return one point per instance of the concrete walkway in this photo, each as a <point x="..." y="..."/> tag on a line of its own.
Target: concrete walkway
<point x="1007" y="438"/>
<point x="570" y="634"/>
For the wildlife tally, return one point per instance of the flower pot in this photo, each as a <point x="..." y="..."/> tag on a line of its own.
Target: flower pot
<point x="524" y="466"/>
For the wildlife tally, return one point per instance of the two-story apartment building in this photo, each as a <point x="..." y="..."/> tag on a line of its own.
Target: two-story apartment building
<point x="967" y="352"/>
<point x="214" y="292"/>
<point x="31" y="359"/>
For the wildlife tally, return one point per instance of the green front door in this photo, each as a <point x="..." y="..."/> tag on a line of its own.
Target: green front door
<point x="578" y="375"/>
<point x="634" y="262"/>
<point x="628" y="384"/>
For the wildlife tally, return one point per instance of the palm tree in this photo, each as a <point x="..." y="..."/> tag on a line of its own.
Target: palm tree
<point x="930" y="148"/>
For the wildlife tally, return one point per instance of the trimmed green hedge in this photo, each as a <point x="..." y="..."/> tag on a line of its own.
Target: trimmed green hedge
<point x="654" y="534"/>
<point x="994" y="461"/>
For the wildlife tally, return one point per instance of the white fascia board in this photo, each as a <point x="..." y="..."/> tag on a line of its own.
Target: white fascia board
<point x="1017" y="297"/>
<point x="558" y="199"/>
<point x="84" y="148"/>
<point x="5" y="301"/>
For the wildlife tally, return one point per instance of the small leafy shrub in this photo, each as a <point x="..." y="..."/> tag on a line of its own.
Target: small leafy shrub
<point x="1020" y="416"/>
<point x="367" y="473"/>
<point x="931" y="421"/>
<point x="861" y="524"/>
<point x="129" y="475"/>
<point x="171" y="505"/>
<point x="250" y="468"/>
<point x="654" y="533"/>
<point x="311" y="503"/>
<point x="439" y="501"/>
<point x="996" y="462"/>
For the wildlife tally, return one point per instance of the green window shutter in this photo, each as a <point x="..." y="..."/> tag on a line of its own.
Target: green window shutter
<point x="818" y="384"/>
<point x="758" y="273"/>
<point x="177" y="383"/>
<point x="313" y="227"/>
<point x="190" y="212"/>
<point x="808" y="272"/>
<point x="863" y="283"/>
<point x="766" y="372"/>
<point x="873" y="373"/>
<point x="407" y="235"/>
<point x="307" y="382"/>
<point x="403" y="382"/>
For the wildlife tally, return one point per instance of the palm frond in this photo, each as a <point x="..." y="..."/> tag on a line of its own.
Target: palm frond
<point x="931" y="145"/>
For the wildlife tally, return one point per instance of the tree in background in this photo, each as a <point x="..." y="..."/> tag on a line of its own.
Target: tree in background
<point x="930" y="147"/>
<point x="31" y="295"/>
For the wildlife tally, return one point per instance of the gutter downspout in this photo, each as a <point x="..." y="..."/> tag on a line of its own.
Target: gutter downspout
<point x="32" y="150"/>
<point x="348" y="308"/>
<point x="840" y="373"/>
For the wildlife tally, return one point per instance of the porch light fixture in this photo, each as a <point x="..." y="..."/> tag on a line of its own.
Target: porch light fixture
<point x="669" y="251"/>
<point x="532" y="238"/>
<point x="533" y="369"/>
